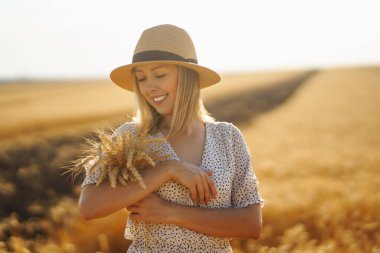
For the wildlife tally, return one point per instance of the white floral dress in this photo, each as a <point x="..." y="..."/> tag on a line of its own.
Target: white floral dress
<point x="226" y="153"/>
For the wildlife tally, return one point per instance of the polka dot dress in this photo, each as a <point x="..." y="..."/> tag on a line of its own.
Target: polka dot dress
<point x="226" y="153"/>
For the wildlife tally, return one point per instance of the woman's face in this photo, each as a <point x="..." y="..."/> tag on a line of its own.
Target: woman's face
<point x="158" y="84"/>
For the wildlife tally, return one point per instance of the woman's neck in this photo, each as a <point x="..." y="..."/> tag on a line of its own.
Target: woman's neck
<point x="194" y="126"/>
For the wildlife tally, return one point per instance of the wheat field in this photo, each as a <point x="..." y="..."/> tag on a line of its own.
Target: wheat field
<point x="316" y="154"/>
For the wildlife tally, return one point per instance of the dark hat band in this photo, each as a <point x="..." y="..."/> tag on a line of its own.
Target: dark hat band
<point x="156" y="55"/>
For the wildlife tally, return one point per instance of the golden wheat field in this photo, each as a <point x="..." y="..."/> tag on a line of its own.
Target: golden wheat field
<point x="314" y="137"/>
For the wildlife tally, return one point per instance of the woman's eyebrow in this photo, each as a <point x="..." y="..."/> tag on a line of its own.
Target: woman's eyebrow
<point x="137" y="70"/>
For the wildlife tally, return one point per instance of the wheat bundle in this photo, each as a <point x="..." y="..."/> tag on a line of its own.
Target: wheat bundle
<point x="119" y="157"/>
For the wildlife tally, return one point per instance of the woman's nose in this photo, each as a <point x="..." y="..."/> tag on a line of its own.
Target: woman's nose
<point x="151" y="84"/>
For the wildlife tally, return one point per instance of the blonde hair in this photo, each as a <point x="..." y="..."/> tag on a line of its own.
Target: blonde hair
<point x="187" y="106"/>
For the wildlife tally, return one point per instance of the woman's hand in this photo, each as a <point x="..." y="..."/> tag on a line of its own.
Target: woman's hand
<point x="195" y="179"/>
<point x="152" y="209"/>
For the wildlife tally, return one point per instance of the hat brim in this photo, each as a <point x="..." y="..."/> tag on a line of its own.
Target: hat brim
<point x="122" y="76"/>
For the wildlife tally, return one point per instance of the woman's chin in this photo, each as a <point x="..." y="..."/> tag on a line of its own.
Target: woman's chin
<point x="164" y="113"/>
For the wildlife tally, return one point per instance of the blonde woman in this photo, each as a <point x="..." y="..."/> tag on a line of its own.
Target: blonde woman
<point x="206" y="193"/>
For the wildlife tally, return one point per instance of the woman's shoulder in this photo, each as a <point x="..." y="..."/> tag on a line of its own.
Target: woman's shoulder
<point x="224" y="126"/>
<point x="228" y="132"/>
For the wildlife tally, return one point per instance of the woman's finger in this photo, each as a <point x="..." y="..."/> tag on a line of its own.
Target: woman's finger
<point x="132" y="208"/>
<point x="212" y="187"/>
<point x="201" y="192"/>
<point x="133" y="216"/>
<point x="206" y="188"/>
<point x="193" y="193"/>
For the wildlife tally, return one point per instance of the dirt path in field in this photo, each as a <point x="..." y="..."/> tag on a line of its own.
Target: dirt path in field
<point x="243" y="106"/>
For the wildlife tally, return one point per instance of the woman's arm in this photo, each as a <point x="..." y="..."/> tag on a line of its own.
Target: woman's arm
<point x="99" y="201"/>
<point x="227" y="222"/>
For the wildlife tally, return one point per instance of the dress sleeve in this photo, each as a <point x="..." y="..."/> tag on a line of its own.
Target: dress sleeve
<point x="93" y="177"/>
<point x="245" y="185"/>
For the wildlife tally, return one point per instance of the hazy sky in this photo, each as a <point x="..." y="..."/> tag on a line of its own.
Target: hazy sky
<point x="88" y="38"/>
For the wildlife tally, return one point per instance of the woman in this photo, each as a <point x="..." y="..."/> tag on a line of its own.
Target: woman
<point x="206" y="193"/>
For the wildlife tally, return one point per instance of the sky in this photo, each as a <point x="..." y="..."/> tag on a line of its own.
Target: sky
<point x="89" y="38"/>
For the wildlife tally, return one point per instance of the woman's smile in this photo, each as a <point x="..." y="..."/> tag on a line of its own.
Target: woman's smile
<point x="159" y="99"/>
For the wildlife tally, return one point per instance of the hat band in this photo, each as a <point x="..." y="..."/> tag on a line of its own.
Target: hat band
<point x="156" y="55"/>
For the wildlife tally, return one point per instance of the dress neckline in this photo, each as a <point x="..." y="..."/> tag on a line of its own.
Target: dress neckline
<point x="204" y="145"/>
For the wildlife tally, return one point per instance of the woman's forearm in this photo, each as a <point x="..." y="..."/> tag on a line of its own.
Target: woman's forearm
<point x="228" y="222"/>
<point x="99" y="201"/>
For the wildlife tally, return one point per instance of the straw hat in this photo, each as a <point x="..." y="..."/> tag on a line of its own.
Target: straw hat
<point x="167" y="44"/>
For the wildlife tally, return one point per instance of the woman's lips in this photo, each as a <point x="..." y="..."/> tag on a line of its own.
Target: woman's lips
<point x="159" y="99"/>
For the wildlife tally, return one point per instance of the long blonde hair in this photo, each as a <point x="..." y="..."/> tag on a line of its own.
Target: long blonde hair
<point x="187" y="106"/>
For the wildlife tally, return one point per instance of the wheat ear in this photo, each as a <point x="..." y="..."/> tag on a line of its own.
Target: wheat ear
<point x="137" y="176"/>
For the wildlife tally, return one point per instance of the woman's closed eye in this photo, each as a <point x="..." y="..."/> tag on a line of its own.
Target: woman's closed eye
<point x="143" y="79"/>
